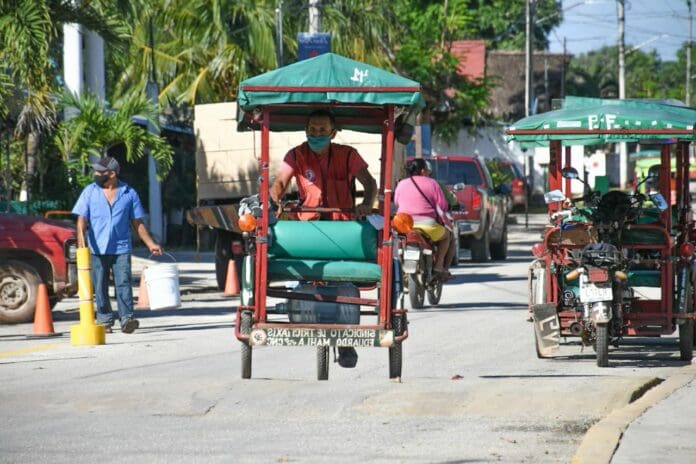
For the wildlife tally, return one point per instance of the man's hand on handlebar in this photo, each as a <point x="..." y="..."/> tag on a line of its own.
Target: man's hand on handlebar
<point x="362" y="210"/>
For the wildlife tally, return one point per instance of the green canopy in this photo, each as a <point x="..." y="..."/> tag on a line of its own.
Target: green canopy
<point x="355" y="92"/>
<point x="589" y="121"/>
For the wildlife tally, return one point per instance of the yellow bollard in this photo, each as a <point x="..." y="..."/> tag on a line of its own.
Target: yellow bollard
<point x="86" y="332"/>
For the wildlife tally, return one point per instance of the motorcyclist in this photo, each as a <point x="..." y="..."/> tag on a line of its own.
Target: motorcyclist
<point x="422" y="198"/>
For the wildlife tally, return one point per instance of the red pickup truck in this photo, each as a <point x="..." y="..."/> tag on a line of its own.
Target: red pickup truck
<point x="34" y="250"/>
<point x="480" y="221"/>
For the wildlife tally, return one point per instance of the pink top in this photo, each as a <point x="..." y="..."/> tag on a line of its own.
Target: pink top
<point x="409" y="199"/>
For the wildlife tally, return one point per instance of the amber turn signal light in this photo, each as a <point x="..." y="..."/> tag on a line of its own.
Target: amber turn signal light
<point x="402" y="222"/>
<point x="247" y="222"/>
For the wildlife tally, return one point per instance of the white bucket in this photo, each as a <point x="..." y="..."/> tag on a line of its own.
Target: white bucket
<point x="162" y="282"/>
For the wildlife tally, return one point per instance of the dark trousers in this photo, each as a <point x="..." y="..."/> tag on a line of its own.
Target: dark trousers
<point x="120" y="266"/>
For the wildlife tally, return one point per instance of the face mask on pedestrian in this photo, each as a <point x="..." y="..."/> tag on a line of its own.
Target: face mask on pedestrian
<point x="318" y="142"/>
<point x="101" y="180"/>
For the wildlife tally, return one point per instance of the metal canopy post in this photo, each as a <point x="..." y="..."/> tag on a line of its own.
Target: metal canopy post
<point x="262" y="228"/>
<point x="386" y="248"/>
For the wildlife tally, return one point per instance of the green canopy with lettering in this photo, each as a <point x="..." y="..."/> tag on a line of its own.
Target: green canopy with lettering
<point x="355" y="92"/>
<point x="589" y="121"/>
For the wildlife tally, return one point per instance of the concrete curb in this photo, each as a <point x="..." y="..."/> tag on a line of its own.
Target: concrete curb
<point x="602" y="439"/>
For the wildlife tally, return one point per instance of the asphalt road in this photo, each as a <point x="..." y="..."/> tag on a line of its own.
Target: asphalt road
<point x="473" y="389"/>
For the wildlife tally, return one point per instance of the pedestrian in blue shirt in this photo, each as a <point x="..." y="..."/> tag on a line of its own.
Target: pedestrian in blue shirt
<point x="105" y="210"/>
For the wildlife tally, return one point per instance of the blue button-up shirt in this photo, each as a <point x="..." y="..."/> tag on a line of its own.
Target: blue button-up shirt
<point x="109" y="225"/>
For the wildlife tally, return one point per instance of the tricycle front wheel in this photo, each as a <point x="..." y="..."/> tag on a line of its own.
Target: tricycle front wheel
<point x="395" y="351"/>
<point x="245" y="329"/>
<point x="322" y="363"/>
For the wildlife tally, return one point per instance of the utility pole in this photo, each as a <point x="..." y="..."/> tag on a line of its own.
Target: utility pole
<point x="154" y="188"/>
<point x="279" y="32"/>
<point x="529" y="65"/>
<point x="623" y="155"/>
<point x="688" y="57"/>
<point x="314" y="16"/>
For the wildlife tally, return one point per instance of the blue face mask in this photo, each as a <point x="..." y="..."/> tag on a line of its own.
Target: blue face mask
<point x="318" y="142"/>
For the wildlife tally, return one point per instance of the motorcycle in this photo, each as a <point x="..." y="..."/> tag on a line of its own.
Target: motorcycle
<point x="596" y="275"/>
<point x="417" y="263"/>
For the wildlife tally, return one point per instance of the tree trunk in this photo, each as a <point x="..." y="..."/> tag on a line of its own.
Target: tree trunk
<point x="31" y="154"/>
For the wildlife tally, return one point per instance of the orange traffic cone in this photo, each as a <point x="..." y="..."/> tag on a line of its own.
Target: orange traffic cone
<point x="232" y="280"/>
<point x="43" y="319"/>
<point x="143" y="298"/>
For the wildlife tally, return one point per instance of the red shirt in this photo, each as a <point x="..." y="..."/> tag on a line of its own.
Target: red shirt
<point x="325" y="180"/>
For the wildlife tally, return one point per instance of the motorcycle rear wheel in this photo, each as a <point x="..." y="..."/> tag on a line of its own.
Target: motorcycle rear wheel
<point x="602" y="344"/>
<point x="686" y="340"/>
<point x="416" y="292"/>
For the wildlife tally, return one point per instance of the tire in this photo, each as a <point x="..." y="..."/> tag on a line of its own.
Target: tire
<point x="457" y="252"/>
<point x="480" y="249"/>
<point x="434" y="292"/>
<point x="223" y="253"/>
<point x="416" y="292"/>
<point x="19" y="284"/>
<point x="602" y="345"/>
<point x="398" y="322"/>
<point x="499" y="249"/>
<point x="686" y="340"/>
<point x="322" y="363"/>
<point x="245" y="329"/>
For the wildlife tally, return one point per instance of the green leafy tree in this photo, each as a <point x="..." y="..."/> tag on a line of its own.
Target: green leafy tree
<point x="29" y="32"/>
<point x="502" y="23"/>
<point x="96" y="129"/>
<point x="202" y="48"/>
<point x="647" y="76"/>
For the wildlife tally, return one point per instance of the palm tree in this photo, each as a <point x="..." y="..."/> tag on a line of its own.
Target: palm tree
<point x="28" y="31"/>
<point x="96" y="128"/>
<point x="202" y="48"/>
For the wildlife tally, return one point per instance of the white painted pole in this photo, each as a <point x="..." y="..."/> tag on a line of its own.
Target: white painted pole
<point x="72" y="61"/>
<point x="623" y="152"/>
<point x="94" y="65"/>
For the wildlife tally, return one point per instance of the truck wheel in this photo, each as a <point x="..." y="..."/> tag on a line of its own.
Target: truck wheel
<point x="499" y="249"/>
<point x="416" y="292"/>
<point x="322" y="363"/>
<point x="686" y="340"/>
<point x="480" y="248"/>
<point x="19" y="284"/>
<point x="223" y="253"/>
<point x="457" y="252"/>
<point x="602" y="345"/>
<point x="398" y="322"/>
<point x="245" y="329"/>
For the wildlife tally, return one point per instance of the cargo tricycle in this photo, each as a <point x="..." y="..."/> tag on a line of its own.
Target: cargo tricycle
<point x="321" y="269"/>
<point x="613" y="264"/>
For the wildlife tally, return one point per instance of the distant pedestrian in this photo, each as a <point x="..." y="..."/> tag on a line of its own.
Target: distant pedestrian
<point x="106" y="209"/>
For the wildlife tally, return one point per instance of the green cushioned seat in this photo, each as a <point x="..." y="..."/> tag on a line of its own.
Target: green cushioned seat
<point x="644" y="278"/>
<point x="330" y="240"/>
<point x="313" y="269"/>
<point x="338" y="251"/>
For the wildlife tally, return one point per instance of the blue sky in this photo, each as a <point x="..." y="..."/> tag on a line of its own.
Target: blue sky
<point x="650" y="24"/>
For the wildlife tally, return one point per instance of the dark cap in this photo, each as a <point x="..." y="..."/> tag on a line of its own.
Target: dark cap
<point x="106" y="163"/>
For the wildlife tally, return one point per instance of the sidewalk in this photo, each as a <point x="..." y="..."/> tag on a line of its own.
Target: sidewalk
<point x="658" y="427"/>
